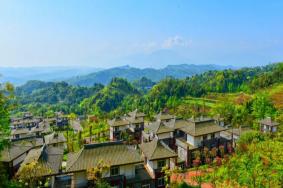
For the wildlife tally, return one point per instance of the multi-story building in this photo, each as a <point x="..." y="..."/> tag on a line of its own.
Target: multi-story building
<point x="39" y="129"/>
<point x="156" y="155"/>
<point x="48" y="162"/>
<point x="164" y="117"/>
<point x="124" y="165"/>
<point x="186" y="136"/>
<point x="132" y="124"/>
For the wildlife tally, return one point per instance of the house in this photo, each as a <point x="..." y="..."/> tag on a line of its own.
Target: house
<point x="124" y="162"/>
<point x="20" y="133"/>
<point x="157" y="130"/>
<point x="132" y="124"/>
<point x="61" y="120"/>
<point x="268" y="126"/>
<point x="234" y="133"/>
<point x="37" y="130"/>
<point x="25" y="123"/>
<point x="13" y="155"/>
<point x="164" y="117"/>
<point x="194" y="134"/>
<point x="156" y="155"/>
<point x="117" y="126"/>
<point x="48" y="162"/>
<point x="55" y="139"/>
<point x="185" y="136"/>
<point x="199" y="130"/>
<point x="136" y="123"/>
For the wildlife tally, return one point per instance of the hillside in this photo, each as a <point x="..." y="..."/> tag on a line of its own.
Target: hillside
<point x="131" y="74"/>
<point x="120" y="95"/>
<point x="40" y="97"/>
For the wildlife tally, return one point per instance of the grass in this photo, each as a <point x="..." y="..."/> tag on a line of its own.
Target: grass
<point x="200" y="101"/>
<point x="275" y="93"/>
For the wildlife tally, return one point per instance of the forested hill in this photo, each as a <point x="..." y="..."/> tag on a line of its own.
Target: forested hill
<point x="131" y="74"/>
<point x="120" y="95"/>
<point x="40" y="97"/>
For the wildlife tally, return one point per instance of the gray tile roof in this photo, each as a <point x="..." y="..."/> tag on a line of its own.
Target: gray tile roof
<point x="111" y="153"/>
<point x="118" y="122"/>
<point x="20" y="131"/>
<point x="14" y="150"/>
<point x="157" y="150"/>
<point x="159" y="127"/>
<point x="135" y="119"/>
<point x="201" y="127"/>
<point x="48" y="157"/>
<point x="54" y="138"/>
<point x="164" y="116"/>
<point x="136" y="114"/>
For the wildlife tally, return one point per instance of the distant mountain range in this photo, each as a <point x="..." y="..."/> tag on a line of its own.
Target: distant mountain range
<point x="88" y="76"/>
<point x="131" y="73"/>
<point x="20" y="75"/>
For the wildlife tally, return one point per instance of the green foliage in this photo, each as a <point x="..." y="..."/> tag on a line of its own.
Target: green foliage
<point x="6" y="94"/>
<point x="131" y="74"/>
<point x="262" y="107"/>
<point x="45" y="98"/>
<point x="111" y="96"/>
<point x="144" y="84"/>
<point x="258" y="162"/>
<point x="120" y="96"/>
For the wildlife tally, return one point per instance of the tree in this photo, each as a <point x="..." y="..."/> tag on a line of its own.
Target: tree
<point x="259" y="164"/>
<point x="262" y="107"/>
<point x="168" y="173"/>
<point x="6" y="94"/>
<point x="226" y="110"/>
<point x="30" y="174"/>
<point x="95" y="174"/>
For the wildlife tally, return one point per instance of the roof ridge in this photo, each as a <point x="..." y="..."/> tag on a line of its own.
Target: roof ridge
<point x="156" y="144"/>
<point x="76" y="158"/>
<point x="166" y="146"/>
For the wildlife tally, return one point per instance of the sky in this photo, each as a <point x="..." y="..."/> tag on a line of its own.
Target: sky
<point x="141" y="33"/>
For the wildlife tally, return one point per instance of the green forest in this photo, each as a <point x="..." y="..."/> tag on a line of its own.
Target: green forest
<point x="246" y="88"/>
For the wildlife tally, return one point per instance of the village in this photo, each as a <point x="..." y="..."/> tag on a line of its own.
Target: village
<point x="136" y="153"/>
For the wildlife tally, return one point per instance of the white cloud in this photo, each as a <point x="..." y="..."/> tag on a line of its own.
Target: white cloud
<point x="168" y="43"/>
<point x="176" y="41"/>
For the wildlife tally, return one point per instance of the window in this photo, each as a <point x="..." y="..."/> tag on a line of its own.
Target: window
<point x="212" y="135"/>
<point x="116" y="129"/>
<point x="146" y="186"/>
<point x="114" y="171"/>
<point x="182" y="166"/>
<point x="161" y="163"/>
<point x="160" y="182"/>
<point x="204" y="137"/>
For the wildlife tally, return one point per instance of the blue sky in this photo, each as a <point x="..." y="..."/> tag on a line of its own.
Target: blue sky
<point x="111" y="33"/>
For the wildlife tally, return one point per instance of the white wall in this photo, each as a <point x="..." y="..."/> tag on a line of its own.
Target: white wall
<point x="111" y="133"/>
<point x="190" y="139"/>
<point x="150" y="165"/>
<point x="196" y="141"/>
<point x="182" y="153"/>
<point x="217" y="135"/>
<point x="126" y="170"/>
